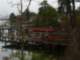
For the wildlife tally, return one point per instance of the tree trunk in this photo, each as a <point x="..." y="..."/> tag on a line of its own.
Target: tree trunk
<point x="73" y="51"/>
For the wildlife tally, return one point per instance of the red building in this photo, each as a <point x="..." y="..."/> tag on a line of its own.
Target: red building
<point x="46" y="34"/>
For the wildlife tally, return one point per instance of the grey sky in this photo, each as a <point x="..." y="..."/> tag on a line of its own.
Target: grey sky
<point x="8" y="6"/>
<point x="34" y="5"/>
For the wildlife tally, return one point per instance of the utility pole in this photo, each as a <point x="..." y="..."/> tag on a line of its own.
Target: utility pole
<point x="21" y="3"/>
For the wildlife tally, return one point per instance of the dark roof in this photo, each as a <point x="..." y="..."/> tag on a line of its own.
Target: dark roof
<point x="42" y="29"/>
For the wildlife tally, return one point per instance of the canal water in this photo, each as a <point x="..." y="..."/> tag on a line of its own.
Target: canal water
<point x="12" y="54"/>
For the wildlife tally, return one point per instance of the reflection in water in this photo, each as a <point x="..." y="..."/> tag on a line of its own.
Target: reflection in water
<point x="16" y="55"/>
<point x="42" y="56"/>
<point x="31" y="55"/>
<point x="28" y="55"/>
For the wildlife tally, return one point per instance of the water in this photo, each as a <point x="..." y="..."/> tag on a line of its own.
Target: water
<point x="13" y="54"/>
<point x="3" y="52"/>
<point x="28" y="55"/>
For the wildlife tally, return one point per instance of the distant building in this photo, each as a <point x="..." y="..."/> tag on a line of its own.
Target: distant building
<point x="21" y="25"/>
<point x="6" y="58"/>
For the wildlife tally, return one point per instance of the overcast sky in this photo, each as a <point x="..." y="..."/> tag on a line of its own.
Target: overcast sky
<point x="8" y="6"/>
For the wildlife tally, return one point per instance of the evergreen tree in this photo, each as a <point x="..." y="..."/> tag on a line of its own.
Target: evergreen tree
<point x="47" y="15"/>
